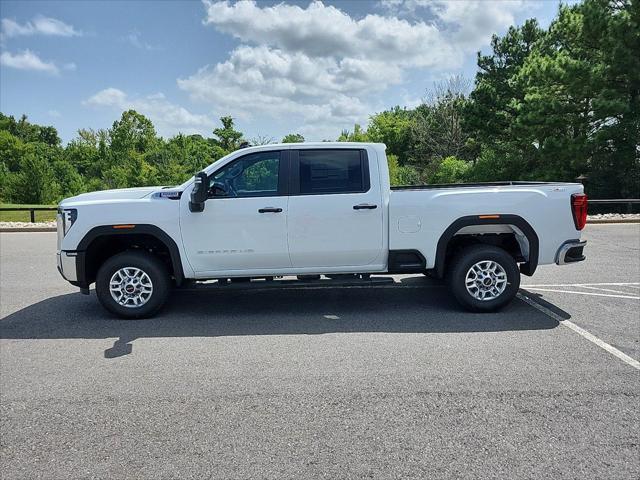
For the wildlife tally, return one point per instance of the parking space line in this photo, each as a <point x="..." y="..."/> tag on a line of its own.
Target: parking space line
<point x="580" y="293"/>
<point x="600" y="289"/>
<point x="581" y="331"/>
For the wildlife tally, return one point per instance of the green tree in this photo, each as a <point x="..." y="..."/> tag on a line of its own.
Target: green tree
<point x="493" y="107"/>
<point x="401" y="175"/>
<point x="35" y="182"/>
<point x="133" y="133"/>
<point x="25" y="165"/>
<point x="83" y="153"/>
<point x="131" y="140"/>
<point x="227" y="137"/>
<point x="358" y="135"/>
<point x="68" y="179"/>
<point x="492" y="166"/>
<point x="393" y="128"/>
<point x="182" y="156"/>
<point x="450" y="170"/>
<point x="293" y="138"/>
<point x="29" y="132"/>
<point x="581" y="103"/>
<point x="438" y="129"/>
<point x="11" y="150"/>
<point x="555" y="104"/>
<point x="4" y="178"/>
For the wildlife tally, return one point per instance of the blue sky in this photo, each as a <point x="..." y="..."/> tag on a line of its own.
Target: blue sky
<point x="277" y="67"/>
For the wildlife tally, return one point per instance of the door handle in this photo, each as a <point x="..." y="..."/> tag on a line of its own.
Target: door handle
<point x="365" y="206"/>
<point x="269" y="210"/>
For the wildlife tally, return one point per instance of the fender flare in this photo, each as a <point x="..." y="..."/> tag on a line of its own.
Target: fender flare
<point x="527" y="268"/>
<point x="146" y="229"/>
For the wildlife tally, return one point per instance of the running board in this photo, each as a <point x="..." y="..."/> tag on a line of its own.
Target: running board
<point x="284" y="282"/>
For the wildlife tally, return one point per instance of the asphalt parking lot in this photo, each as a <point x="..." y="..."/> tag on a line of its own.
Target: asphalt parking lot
<point x="391" y="381"/>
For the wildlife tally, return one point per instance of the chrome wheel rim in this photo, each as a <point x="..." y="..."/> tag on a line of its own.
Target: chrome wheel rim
<point x="130" y="287"/>
<point x="486" y="280"/>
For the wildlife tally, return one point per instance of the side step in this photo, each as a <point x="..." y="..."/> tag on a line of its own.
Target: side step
<point x="284" y="282"/>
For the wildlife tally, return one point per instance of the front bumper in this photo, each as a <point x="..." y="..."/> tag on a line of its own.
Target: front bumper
<point x="571" y="251"/>
<point x="67" y="265"/>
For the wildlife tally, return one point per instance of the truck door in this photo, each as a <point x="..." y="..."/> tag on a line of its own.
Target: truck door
<point x="243" y="227"/>
<point x="335" y="209"/>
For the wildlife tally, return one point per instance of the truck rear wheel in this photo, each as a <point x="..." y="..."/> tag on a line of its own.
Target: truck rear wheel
<point x="133" y="285"/>
<point x="483" y="278"/>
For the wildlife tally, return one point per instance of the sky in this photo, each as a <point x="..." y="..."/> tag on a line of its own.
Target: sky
<point x="282" y="67"/>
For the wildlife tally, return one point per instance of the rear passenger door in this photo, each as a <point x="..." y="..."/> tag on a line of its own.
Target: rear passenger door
<point x="335" y="210"/>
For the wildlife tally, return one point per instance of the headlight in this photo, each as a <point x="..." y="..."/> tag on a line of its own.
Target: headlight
<point x="68" y="217"/>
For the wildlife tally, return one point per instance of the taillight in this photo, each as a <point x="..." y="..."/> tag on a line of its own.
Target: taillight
<point x="579" y="210"/>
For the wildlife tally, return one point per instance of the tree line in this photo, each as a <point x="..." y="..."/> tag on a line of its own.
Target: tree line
<point x="561" y="103"/>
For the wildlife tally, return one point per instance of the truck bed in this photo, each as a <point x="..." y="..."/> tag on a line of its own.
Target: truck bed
<point x="418" y="214"/>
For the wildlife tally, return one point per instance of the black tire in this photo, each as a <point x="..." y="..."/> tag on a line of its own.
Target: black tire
<point x="470" y="256"/>
<point x="149" y="264"/>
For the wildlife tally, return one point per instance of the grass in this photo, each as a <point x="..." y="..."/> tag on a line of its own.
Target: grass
<point x="24" y="216"/>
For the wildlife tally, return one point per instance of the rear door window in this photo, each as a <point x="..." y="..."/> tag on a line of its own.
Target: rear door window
<point x="332" y="171"/>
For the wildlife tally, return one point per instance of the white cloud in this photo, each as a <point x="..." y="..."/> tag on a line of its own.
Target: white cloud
<point x="38" y="26"/>
<point x="470" y="23"/>
<point x="325" y="31"/>
<point x="259" y="81"/>
<point x="169" y="118"/>
<point x="318" y="66"/>
<point x="135" y="38"/>
<point x="109" y="97"/>
<point x="27" y="60"/>
<point x="475" y="22"/>
<point x="54" y="113"/>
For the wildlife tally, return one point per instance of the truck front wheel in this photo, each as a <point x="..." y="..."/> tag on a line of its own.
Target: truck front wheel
<point x="133" y="284"/>
<point x="483" y="278"/>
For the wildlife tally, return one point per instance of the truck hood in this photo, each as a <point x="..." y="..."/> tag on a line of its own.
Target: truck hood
<point x="117" y="194"/>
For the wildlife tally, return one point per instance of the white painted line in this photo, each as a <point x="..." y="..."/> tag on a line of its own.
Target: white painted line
<point x="579" y="293"/>
<point x="600" y="289"/>
<point x="611" y="284"/>
<point x="581" y="331"/>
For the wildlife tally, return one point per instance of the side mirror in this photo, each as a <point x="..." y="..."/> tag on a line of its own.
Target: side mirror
<point x="199" y="193"/>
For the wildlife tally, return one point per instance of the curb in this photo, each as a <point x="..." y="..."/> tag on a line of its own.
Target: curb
<point x="620" y="220"/>
<point x="28" y="229"/>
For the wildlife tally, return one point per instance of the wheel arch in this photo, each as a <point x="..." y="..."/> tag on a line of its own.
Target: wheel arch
<point x="527" y="268"/>
<point x="123" y="234"/>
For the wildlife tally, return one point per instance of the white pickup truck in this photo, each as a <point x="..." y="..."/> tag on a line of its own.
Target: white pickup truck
<point x="312" y="209"/>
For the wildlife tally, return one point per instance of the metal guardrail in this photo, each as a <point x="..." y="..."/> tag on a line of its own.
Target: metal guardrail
<point x="32" y="210"/>
<point x="628" y="201"/>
